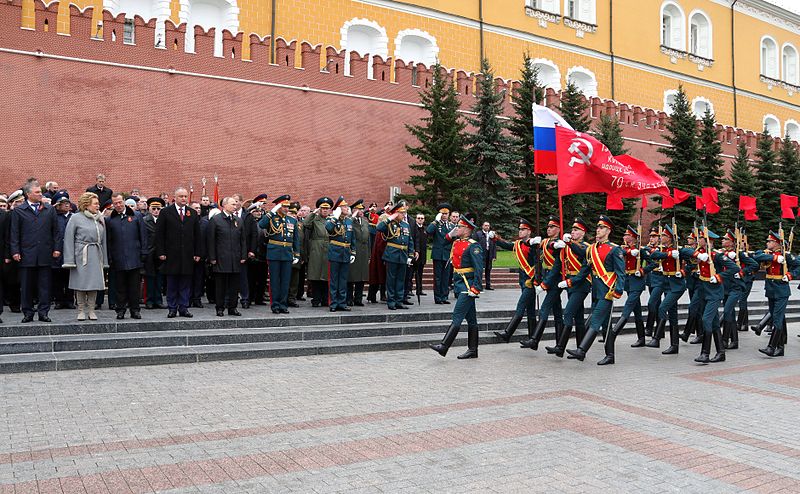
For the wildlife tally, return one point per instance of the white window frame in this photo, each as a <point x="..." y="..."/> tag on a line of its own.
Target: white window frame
<point x="677" y="39"/>
<point x="764" y="66"/>
<point x="792" y="75"/>
<point x="591" y="89"/>
<point x="709" y="52"/>
<point x="556" y="85"/>
<point x="793" y="135"/>
<point x="586" y="10"/>
<point x="551" y="6"/>
<point x="701" y="99"/>
<point x="669" y="93"/>
<point x="777" y="124"/>
<point x="398" y="44"/>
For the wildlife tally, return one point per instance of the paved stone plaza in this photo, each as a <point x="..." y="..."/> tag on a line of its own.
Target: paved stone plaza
<point x="410" y="421"/>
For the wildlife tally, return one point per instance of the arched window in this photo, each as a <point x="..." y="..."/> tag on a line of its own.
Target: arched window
<point x="580" y="10"/>
<point x="700" y="34"/>
<point x="148" y="9"/>
<point x="413" y="45"/>
<point x="790" y="64"/>
<point x="363" y="37"/>
<point x="793" y="130"/>
<point x="546" y="5"/>
<point x="549" y="75"/>
<point x="219" y="14"/>
<point x="673" y="26"/>
<point x="772" y="125"/>
<point x="584" y="80"/>
<point x="700" y="105"/>
<point x="669" y="100"/>
<point x="769" y="58"/>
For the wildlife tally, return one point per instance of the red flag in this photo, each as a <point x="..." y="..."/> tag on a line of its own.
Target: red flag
<point x="680" y="195"/>
<point x="667" y="202"/>
<point x="710" y="200"/>
<point x="614" y="202"/>
<point x="698" y="203"/>
<point x="747" y="203"/>
<point x="644" y="202"/>
<point x="788" y="202"/>
<point x="787" y="213"/>
<point x="586" y="165"/>
<point x="750" y="215"/>
<point x="216" y="192"/>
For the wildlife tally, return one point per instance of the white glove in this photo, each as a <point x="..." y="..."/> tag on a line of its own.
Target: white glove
<point x="535" y="240"/>
<point x="732" y="255"/>
<point x="638" y="274"/>
<point x="713" y="280"/>
<point x="276" y="208"/>
<point x="634" y="252"/>
<point x="567" y="237"/>
<point x="737" y="276"/>
<point x="453" y="232"/>
<point x="352" y="259"/>
<point x="781" y="259"/>
<point x="675" y="254"/>
<point x="295" y="260"/>
<point x="785" y="278"/>
<point x="408" y="261"/>
<point x="492" y="234"/>
<point x="559" y="244"/>
<point x="562" y="284"/>
<point x="472" y="294"/>
<point x="337" y="212"/>
<point x="539" y="289"/>
<point x="438" y="217"/>
<point x="702" y="257"/>
<point x="678" y="274"/>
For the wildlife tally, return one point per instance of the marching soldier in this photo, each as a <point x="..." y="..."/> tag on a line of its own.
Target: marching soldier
<point x="734" y="289"/>
<point x="606" y="264"/>
<point x="572" y="256"/>
<point x="552" y="301"/>
<point x="297" y="267"/>
<point x="467" y="258"/>
<point x="634" y="286"/>
<point x="283" y="250"/>
<point x="696" y="298"/>
<point x="341" y="253"/>
<point x="525" y="255"/>
<point x="398" y="255"/>
<point x="655" y="282"/>
<point x="440" y="253"/>
<point x="318" y="241"/>
<point x="749" y="274"/>
<point x="359" y="270"/>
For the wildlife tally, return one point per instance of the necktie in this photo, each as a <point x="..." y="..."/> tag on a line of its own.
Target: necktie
<point x="35" y="208"/>
<point x="181" y="209"/>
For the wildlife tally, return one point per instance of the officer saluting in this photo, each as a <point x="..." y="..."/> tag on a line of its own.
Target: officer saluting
<point x="317" y="249"/>
<point x="467" y="257"/>
<point x="283" y="250"/>
<point x="398" y="254"/>
<point x="440" y="253"/>
<point x="341" y="253"/>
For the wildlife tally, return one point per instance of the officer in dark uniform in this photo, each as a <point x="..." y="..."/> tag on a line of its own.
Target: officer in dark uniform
<point x="527" y="260"/>
<point x="440" y="253"/>
<point x="359" y="270"/>
<point x="341" y="253"/>
<point x="317" y="248"/>
<point x="552" y="301"/>
<point x="468" y="262"/>
<point x="734" y="289"/>
<point x="693" y="323"/>
<point x="398" y="255"/>
<point x="298" y="276"/>
<point x="283" y="250"/>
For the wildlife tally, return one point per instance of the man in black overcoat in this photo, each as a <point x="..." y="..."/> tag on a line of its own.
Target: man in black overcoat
<point x="178" y="248"/>
<point x="227" y="253"/>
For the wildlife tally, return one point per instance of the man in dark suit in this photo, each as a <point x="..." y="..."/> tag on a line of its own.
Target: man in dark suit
<point x="227" y="253"/>
<point x="199" y="275"/>
<point x="127" y="250"/>
<point x="420" y="237"/>
<point x="33" y="240"/>
<point x="99" y="188"/>
<point x="178" y="248"/>
<point x="486" y="237"/>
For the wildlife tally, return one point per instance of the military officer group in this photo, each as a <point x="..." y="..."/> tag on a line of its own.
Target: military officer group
<point x="338" y="240"/>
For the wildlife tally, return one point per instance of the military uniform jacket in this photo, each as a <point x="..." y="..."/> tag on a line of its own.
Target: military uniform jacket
<point x="227" y="243"/>
<point x="399" y="244"/>
<point x="724" y="271"/>
<point x="670" y="267"/>
<point x="467" y="259"/>
<point x="178" y="239"/>
<point x="300" y="234"/>
<point x="359" y="270"/>
<point x="605" y="262"/>
<point x="127" y="240"/>
<point x="283" y="235"/>
<point x="440" y="246"/>
<point x="547" y="257"/>
<point x="526" y="256"/>
<point x="340" y="233"/>
<point x="34" y="236"/>
<point x="569" y="260"/>
<point x="317" y="247"/>
<point x="742" y="261"/>
<point x="635" y="283"/>
<point x="774" y="286"/>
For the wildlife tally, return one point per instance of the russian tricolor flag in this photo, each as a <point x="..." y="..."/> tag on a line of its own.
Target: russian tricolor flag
<point x="544" y="139"/>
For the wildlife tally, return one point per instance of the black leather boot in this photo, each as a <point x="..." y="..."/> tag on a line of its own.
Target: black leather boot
<point x="763" y="323"/>
<point x="698" y="331"/>
<point x="743" y="319"/>
<point x="718" y="346"/>
<point x="610" y="341"/>
<point x="449" y="337"/>
<point x="651" y="322"/>
<point x="472" y="344"/>
<point x="688" y="328"/>
<point x="507" y="333"/>
<point x="639" y="334"/>
<point x="705" y="349"/>
<point x="658" y="333"/>
<point x="533" y="341"/>
<point x="733" y="333"/>
<point x="580" y="352"/>
<point x="561" y="344"/>
<point x="674" y="340"/>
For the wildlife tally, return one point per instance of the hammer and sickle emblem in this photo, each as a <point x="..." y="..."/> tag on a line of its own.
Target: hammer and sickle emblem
<point x="579" y="156"/>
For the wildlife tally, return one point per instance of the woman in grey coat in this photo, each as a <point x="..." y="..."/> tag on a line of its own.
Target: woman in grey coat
<point x="85" y="253"/>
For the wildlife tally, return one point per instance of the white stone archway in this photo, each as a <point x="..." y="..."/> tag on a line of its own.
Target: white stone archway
<point x="773" y="125"/>
<point x="584" y="79"/>
<point x="549" y="74"/>
<point x="414" y="45"/>
<point x="219" y="14"/>
<point x="363" y="36"/>
<point x="700" y="105"/>
<point x="792" y="130"/>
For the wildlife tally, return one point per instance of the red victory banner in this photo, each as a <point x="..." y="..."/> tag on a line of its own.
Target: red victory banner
<point x="748" y="205"/>
<point x="710" y="200"/>
<point x="586" y="165"/>
<point x="680" y="195"/>
<point x="787" y="205"/>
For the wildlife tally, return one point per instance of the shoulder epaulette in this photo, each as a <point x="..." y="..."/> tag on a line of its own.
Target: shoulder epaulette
<point x="472" y="241"/>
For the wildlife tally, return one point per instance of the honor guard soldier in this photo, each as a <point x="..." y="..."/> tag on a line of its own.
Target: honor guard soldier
<point x="552" y="301"/>
<point x="655" y="281"/>
<point x="606" y="264"/>
<point x="693" y="286"/>
<point x="571" y="257"/>
<point x="467" y="259"/>
<point x="714" y="269"/>
<point x="734" y="289"/>
<point x="743" y="318"/>
<point x="525" y="255"/>
<point x="440" y="253"/>
<point x="781" y="268"/>
<point x="359" y="270"/>
<point x="635" y="275"/>
<point x="283" y="250"/>
<point x="398" y="254"/>
<point x="341" y="253"/>
<point x="317" y="249"/>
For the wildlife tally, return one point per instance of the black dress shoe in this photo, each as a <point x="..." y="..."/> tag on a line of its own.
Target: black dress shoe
<point x="44" y="319"/>
<point x="27" y="319"/>
<point x="407" y="302"/>
<point x="172" y="314"/>
<point x="438" y="302"/>
<point x="332" y="309"/>
<point x="291" y="304"/>
<point x="159" y="306"/>
<point x="234" y="312"/>
<point x="284" y="311"/>
<point x="314" y="304"/>
<point x="135" y="314"/>
<point x="489" y="288"/>
<point x="149" y="306"/>
<point x="302" y="299"/>
<point x="346" y="309"/>
<point x="246" y="305"/>
<point x="445" y="301"/>
<point x="220" y="312"/>
<point x="358" y="304"/>
<point x="392" y="307"/>
<point x="276" y="311"/>
<point x="401" y="306"/>
<point x="186" y="313"/>
<point x="15" y="309"/>
<point x="112" y="307"/>
<point x="70" y="306"/>
<point x="120" y="315"/>
<point x="58" y="306"/>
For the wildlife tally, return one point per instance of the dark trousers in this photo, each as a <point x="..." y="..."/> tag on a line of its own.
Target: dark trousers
<point x="355" y="293"/>
<point x="39" y="278"/>
<point x="154" y="284"/>
<point x="112" y="291"/>
<point x="198" y="281"/>
<point x="179" y="287"/>
<point x="62" y="294"/>
<point x="244" y="285"/>
<point x="395" y="283"/>
<point x="226" y="286"/>
<point x="280" y="273"/>
<point x="441" y="282"/>
<point x="301" y="281"/>
<point x="487" y="271"/>
<point x="127" y="285"/>
<point x="10" y="281"/>
<point x="294" y="284"/>
<point x="338" y="272"/>
<point x="319" y="292"/>
<point x="257" y="279"/>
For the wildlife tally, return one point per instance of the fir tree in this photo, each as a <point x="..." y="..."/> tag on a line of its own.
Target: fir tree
<point x="789" y="160"/>
<point x="683" y="169"/>
<point x="523" y="179"/>
<point x="740" y="182"/>
<point x="441" y="151"/>
<point x="769" y="186"/>
<point x="608" y="131"/>
<point x="709" y="151"/>
<point x="490" y="156"/>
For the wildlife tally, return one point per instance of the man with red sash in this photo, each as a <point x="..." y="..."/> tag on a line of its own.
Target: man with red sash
<point x="526" y="257"/>
<point x="634" y="286"/>
<point x="734" y="289"/>
<point x="654" y="281"/>
<point x="605" y="262"/>
<point x="781" y="268"/>
<point x="467" y="260"/>
<point x="571" y="257"/>
<point x="552" y="301"/>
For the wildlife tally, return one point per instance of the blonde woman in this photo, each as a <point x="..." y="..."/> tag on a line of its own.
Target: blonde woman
<point x="85" y="253"/>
